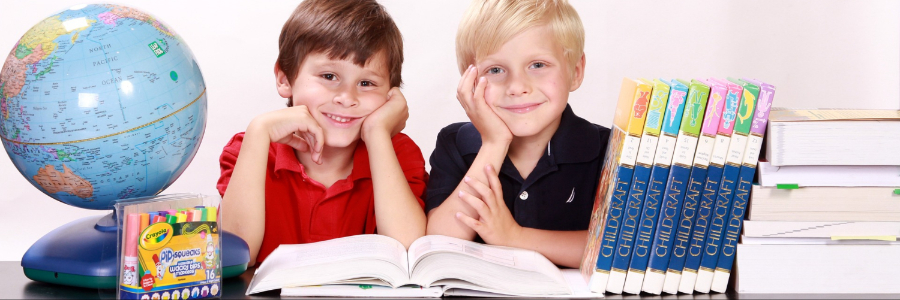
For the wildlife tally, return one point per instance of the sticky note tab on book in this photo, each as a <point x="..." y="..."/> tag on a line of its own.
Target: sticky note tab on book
<point x="787" y="186"/>
<point x="886" y="238"/>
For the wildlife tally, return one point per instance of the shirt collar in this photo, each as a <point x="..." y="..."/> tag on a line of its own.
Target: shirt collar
<point x="286" y="160"/>
<point x="575" y="140"/>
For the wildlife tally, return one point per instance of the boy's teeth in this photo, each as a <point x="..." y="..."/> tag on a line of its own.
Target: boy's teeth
<point x="339" y="119"/>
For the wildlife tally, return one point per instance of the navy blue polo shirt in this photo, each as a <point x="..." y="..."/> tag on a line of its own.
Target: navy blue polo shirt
<point x="559" y="192"/>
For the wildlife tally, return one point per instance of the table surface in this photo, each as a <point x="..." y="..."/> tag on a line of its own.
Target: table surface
<point x="14" y="285"/>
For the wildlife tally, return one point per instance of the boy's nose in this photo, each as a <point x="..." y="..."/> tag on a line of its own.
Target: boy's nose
<point x="346" y="98"/>
<point x="519" y="85"/>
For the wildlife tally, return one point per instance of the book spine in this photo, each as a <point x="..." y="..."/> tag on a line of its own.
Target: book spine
<point x="679" y="175"/>
<point x="744" y="185"/>
<point x="698" y="233"/>
<point x="724" y="196"/>
<point x="655" y="187"/>
<point x="714" y="108"/>
<point x="633" y="99"/>
<point x="690" y="218"/>
<point x="635" y="198"/>
<point x="711" y="187"/>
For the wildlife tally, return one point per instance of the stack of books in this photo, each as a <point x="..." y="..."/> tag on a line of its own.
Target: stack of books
<point x="675" y="184"/>
<point x="825" y="216"/>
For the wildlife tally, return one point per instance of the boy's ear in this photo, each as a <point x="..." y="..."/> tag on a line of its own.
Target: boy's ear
<point x="282" y="84"/>
<point x="578" y="76"/>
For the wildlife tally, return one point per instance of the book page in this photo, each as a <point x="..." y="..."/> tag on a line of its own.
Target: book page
<point x="441" y="260"/>
<point x="362" y="256"/>
<point x="832" y="115"/>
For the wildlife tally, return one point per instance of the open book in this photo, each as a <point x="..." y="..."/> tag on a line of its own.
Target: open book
<point x="438" y="265"/>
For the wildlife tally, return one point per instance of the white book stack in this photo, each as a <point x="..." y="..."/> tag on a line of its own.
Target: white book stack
<point x="825" y="217"/>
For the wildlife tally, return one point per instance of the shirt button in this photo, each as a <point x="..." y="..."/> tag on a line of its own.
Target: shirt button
<point x="524" y="195"/>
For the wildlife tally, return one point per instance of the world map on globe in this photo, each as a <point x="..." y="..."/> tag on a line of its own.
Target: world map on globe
<point x="99" y="103"/>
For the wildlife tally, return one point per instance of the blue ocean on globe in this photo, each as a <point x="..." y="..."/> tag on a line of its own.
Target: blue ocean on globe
<point x="100" y="103"/>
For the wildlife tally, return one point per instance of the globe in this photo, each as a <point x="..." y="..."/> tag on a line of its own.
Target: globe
<point x="99" y="103"/>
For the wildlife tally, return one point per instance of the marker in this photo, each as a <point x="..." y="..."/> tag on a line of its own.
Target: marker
<point x="159" y="219"/>
<point x="181" y="217"/>
<point x="171" y="219"/>
<point x="197" y="216"/>
<point x="189" y="216"/>
<point x="153" y="215"/>
<point x="211" y="214"/>
<point x="144" y="222"/>
<point x="129" y="269"/>
<point x="163" y="213"/>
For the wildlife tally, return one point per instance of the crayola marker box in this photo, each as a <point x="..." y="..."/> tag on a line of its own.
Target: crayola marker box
<point x="176" y="254"/>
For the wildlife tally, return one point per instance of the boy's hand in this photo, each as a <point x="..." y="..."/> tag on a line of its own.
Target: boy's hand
<point x="295" y="127"/>
<point x="489" y="125"/>
<point x="495" y="223"/>
<point x="389" y="119"/>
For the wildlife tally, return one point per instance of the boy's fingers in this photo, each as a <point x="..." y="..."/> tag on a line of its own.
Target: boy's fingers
<point x="464" y="92"/>
<point x="474" y="202"/>
<point x="494" y="181"/>
<point x="298" y="143"/>
<point x="478" y="98"/>
<point x="483" y="191"/>
<point x="472" y="223"/>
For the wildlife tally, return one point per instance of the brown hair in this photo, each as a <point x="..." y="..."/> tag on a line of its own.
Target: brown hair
<point x="357" y="29"/>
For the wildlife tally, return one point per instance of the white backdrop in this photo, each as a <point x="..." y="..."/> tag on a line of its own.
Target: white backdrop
<point x="818" y="54"/>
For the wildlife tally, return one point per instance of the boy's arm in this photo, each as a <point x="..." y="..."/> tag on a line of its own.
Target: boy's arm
<point x="495" y="138"/>
<point x="244" y="213"/>
<point x="496" y="225"/>
<point x="398" y="212"/>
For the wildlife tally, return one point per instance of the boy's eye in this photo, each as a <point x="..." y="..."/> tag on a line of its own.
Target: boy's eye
<point x="328" y="76"/>
<point x="494" y="70"/>
<point x="366" y="83"/>
<point x="538" y="65"/>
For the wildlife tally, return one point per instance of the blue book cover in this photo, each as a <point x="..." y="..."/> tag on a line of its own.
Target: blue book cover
<point x="719" y="216"/>
<point x="742" y="193"/>
<point x="732" y="98"/>
<point x="615" y="180"/>
<point x="724" y="197"/>
<point x="656" y="185"/>
<point x="635" y="200"/>
<point x="649" y="215"/>
<point x="704" y="214"/>
<point x="632" y="212"/>
<point x="686" y="222"/>
<point x="676" y="185"/>
<point x="704" y="153"/>
<point x="668" y="218"/>
<point x="735" y="218"/>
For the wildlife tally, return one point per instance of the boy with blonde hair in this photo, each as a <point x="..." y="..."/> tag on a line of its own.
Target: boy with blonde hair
<point x="524" y="172"/>
<point x="332" y="163"/>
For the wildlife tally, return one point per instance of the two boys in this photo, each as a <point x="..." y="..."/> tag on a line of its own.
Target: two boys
<point x="523" y="173"/>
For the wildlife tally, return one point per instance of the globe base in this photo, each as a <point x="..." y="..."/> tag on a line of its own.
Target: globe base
<point x="83" y="253"/>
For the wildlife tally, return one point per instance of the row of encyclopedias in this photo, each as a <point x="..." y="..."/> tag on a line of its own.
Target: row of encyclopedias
<point x="675" y="184"/>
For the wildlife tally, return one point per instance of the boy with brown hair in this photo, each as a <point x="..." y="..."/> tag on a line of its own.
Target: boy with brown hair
<point x="524" y="172"/>
<point x="332" y="163"/>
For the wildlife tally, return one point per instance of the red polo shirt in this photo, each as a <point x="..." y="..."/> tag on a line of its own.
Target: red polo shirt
<point x="301" y="210"/>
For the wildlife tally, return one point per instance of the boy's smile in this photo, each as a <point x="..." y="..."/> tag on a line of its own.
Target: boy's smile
<point x="340" y="94"/>
<point x="529" y="81"/>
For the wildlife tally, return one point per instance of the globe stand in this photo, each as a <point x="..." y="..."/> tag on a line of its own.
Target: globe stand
<point x="83" y="253"/>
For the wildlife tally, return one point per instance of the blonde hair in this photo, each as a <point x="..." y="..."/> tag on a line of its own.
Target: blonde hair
<point x="488" y="24"/>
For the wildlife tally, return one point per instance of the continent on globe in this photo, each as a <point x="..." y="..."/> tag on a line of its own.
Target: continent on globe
<point x="13" y="74"/>
<point x="54" y="181"/>
<point x="84" y="112"/>
<point x="128" y="12"/>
